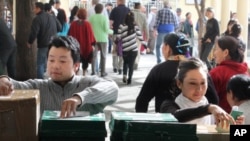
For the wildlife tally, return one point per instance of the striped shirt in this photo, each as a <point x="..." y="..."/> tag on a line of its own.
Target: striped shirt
<point x="129" y="41"/>
<point x="95" y="92"/>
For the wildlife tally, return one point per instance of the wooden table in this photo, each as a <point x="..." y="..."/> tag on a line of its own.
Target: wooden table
<point x="208" y="133"/>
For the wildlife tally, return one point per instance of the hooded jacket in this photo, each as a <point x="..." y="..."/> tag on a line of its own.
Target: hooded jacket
<point x="221" y="75"/>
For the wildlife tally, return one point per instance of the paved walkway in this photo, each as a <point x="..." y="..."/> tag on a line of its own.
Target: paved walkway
<point x="128" y="93"/>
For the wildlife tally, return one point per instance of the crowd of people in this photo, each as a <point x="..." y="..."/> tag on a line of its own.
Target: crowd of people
<point x="185" y="84"/>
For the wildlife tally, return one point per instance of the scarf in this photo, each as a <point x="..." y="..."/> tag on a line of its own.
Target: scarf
<point x="185" y="103"/>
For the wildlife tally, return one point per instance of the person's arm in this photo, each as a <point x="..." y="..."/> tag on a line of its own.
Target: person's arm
<point x="216" y="30"/>
<point x="211" y="93"/>
<point x="35" y="27"/>
<point x="147" y="92"/>
<point x="107" y="27"/>
<point x="183" y="115"/>
<point x="99" y="91"/>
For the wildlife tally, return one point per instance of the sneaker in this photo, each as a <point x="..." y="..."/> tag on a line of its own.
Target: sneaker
<point x="115" y="70"/>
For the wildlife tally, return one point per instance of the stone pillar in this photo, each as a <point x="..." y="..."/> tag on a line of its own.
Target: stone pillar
<point x="225" y="15"/>
<point x="216" y="4"/>
<point x="14" y="19"/>
<point x="242" y="15"/>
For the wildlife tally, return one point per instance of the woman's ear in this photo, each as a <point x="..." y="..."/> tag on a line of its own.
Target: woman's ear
<point x="226" y="53"/>
<point x="165" y="51"/>
<point x="179" y="84"/>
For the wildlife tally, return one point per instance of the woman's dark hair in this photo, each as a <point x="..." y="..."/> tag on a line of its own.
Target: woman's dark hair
<point x="130" y="22"/>
<point x="179" y="44"/>
<point x="233" y="46"/>
<point x="230" y="22"/>
<point x="62" y="18"/>
<point x="73" y="13"/>
<point x="239" y="84"/>
<point x="187" y="65"/>
<point x="236" y="30"/>
<point x="98" y="8"/>
<point x="69" y="43"/>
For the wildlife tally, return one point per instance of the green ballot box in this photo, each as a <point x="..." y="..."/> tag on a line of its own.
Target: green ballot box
<point x="80" y="127"/>
<point x="126" y="126"/>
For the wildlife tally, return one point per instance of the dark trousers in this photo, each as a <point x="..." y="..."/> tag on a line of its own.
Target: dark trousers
<point x="110" y="42"/>
<point x="128" y="63"/>
<point x="205" y="50"/>
<point x="8" y="59"/>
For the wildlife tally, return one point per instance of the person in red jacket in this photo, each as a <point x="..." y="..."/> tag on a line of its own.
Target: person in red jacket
<point x="229" y="57"/>
<point x="82" y="31"/>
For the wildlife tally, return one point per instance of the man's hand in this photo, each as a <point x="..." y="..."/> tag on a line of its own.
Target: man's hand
<point x="6" y="87"/>
<point x="69" y="106"/>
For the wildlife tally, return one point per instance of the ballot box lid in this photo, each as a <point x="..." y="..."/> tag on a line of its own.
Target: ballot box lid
<point x="81" y="124"/>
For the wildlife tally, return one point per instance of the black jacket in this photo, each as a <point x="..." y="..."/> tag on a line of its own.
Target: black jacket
<point x="160" y="84"/>
<point x="6" y="39"/>
<point x="43" y="28"/>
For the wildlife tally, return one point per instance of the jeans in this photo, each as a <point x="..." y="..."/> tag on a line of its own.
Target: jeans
<point x="41" y="61"/>
<point x="103" y="49"/>
<point x="159" y="41"/>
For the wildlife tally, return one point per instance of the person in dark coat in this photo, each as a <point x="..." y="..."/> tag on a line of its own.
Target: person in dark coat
<point x="43" y="28"/>
<point x="8" y="48"/>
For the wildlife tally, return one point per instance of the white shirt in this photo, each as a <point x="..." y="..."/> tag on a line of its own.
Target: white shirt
<point x="244" y="107"/>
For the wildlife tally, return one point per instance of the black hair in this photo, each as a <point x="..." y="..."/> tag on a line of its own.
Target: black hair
<point x="130" y="22"/>
<point x="52" y="2"/>
<point x="69" y="43"/>
<point x="73" y="13"/>
<point x="187" y="65"/>
<point x="236" y="30"/>
<point x="137" y="5"/>
<point x="179" y="44"/>
<point x="62" y="18"/>
<point x="47" y="7"/>
<point x="231" y="21"/>
<point x="39" y="5"/>
<point x="239" y="85"/>
<point x="233" y="46"/>
<point x="98" y="8"/>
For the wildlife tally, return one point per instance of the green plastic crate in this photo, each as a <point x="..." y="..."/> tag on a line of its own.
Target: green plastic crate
<point x="80" y="128"/>
<point x="125" y="126"/>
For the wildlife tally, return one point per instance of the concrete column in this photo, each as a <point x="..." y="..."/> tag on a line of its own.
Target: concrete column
<point x="225" y="14"/>
<point x="216" y="4"/>
<point x="242" y="15"/>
